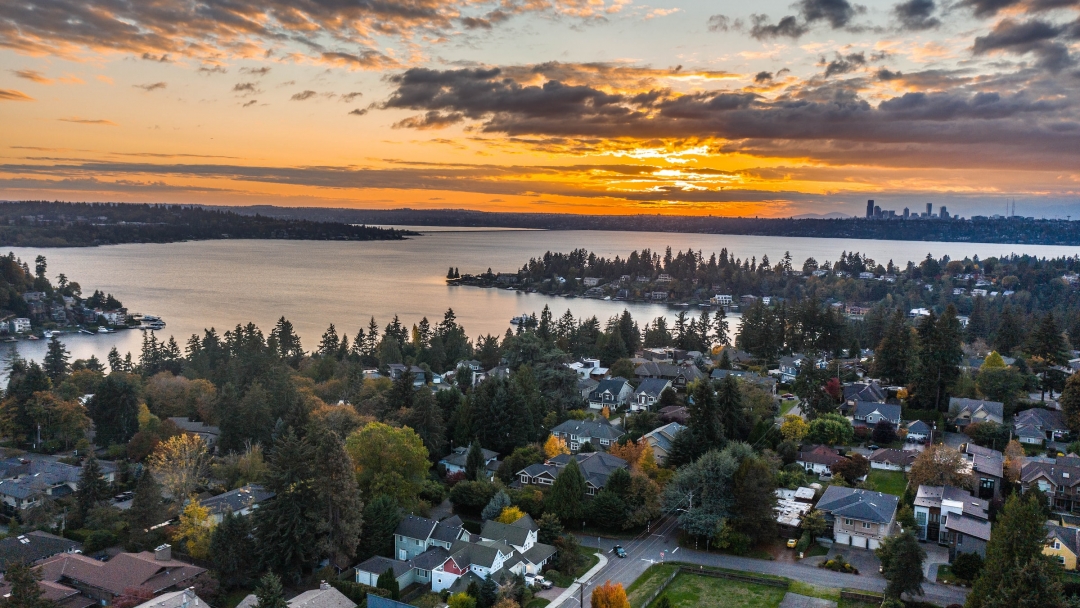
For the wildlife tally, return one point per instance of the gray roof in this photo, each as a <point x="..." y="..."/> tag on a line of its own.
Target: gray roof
<point x="510" y="534"/>
<point x="979" y="528"/>
<point x="918" y="426"/>
<point x="184" y="598"/>
<point x="652" y="387"/>
<point x="961" y="405"/>
<point x="595" y="466"/>
<point x="864" y="391"/>
<point x="379" y="564"/>
<point x="448" y="530"/>
<point x="1066" y="536"/>
<point x="985" y="460"/>
<point x="460" y="456"/>
<point x="194" y="426"/>
<point x="1046" y="420"/>
<point x="483" y="554"/>
<point x="238" y="499"/>
<point x="33" y="546"/>
<point x="416" y="527"/>
<point x="430" y="559"/>
<point x="538" y="553"/>
<point x="888" y="410"/>
<point x="931" y="497"/>
<point x="609" y="385"/>
<point x="856" y="503"/>
<point x="1063" y="473"/>
<point x="323" y="597"/>
<point x="664" y="436"/>
<point x="898" y="457"/>
<point x="600" y="429"/>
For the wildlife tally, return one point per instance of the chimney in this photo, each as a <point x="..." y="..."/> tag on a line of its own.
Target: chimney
<point x="324" y="586"/>
<point x="163" y="553"/>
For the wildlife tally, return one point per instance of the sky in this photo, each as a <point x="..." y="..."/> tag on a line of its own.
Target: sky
<point x="765" y="108"/>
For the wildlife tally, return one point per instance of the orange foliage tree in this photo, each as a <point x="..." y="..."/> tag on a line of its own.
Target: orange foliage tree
<point x="610" y="596"/>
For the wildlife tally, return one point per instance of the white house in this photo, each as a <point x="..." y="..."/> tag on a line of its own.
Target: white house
<point x="648" y="393"/>
<point x="20" y="325"/>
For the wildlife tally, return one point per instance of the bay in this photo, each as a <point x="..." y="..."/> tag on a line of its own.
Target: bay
<point x="202" y="284"/>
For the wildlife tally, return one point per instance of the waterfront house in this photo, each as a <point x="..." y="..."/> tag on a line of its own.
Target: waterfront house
<point x="648" y="393"/>
<point x="858" y="518"/>
<point x="661" y="440"/>
<point x="20" y="325"/>
<point x="952" y="517"/>
<point x="598" y="433"/>
<point x="611" y="392"/>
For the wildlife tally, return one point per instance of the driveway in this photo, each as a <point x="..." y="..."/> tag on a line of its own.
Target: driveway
<point x="661" y="545"/>
<point x="954" y="440"/>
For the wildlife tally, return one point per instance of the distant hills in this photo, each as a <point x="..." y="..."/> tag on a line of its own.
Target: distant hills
<point x="835" y="215"/>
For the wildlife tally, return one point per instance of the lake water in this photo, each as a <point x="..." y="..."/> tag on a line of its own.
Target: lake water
<point x="219" y="284"/>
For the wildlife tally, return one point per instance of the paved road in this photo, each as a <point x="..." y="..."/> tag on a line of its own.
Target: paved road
<point x="645" y="551"/>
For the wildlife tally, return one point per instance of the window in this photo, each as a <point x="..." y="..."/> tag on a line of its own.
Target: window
<point x="866" y="525"/>
<point x="848" y="522"/>
<point x="944" y="519"/>
<point x="959" y="539"/>
<point x="1061" y="559"/>
<point x="920" y="518"/>
<point x="1057" y="545"/>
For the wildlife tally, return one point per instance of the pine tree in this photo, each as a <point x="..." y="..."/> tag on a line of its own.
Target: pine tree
<point x="339" y="497"/>
<point x="1048" y="342"/>
<point x="381" y="518"/>
<point x="495" y="506"/>
<point x="115" y="410"/>
<point x="937" y="365"/>
<point x="387" y="581"/>
<point x="567" y="495"/>
<point x="704" y="424"/>
<point x="268" y="593"/>
<point x="56" y="360"/>
<point x="725" y="362"/>
<point x="474" y="462"/>
<point x="285" y="526"/>
<point x="92" y="488"/>
<point x="1009" y="334"/>
<point x="233" y="552"/>
<point x="426" y="419"/>
<point x="978" y="326"/>
<point x="731" y="411"/>
<point x="24" y="589"/>
<point x="892" y="357"/>
<point x="147" y="510"/>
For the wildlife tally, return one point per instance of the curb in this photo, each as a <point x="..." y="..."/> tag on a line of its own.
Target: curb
<point x="583" y="579"/>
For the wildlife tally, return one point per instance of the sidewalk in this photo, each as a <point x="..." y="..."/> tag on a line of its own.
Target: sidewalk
<point x="581" y="580"/>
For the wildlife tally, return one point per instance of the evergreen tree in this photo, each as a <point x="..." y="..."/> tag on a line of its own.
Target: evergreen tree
<point x="1048" y="342"/>
<point x="567" y="496"/>
<point x="339" y="497"/>
<point x="892" y="357"/>
<point x="902" y="564"/>
<point x="268" y="593"/>
<point x="381" y="518"/>
<point x="387" y="581"/>
<point x="24" y="589"/>
<point x="937" y="365"/>
<point x="114" y="409"/>
<point x="755" y="498"/>
<point x="978" y="325"/>
<point x="426" y="419"/>
<point x="147" y="510"/>
<point x="721" y="330"/>
<point x="704" y="424"/>
<point x="56" y="360"/>
<point x="474" y="462"/>
<point x="285" y="526"/>
<point x="550" y="528"/>
<point x="495" y="506"/>
<point x="1018" y="540"/>
<point x="489" y="593"/>
<point x="1009" y="334"/>
<point x="731" y="411"/>
<point x="233" y="552"/>
<point x="92" y="488"/>
<point x="116" y="364"/>
<point x="725" y="363"/>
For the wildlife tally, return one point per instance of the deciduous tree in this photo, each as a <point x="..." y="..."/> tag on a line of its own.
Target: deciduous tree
<point x="181" y="463"/>
<point x="938" y="465"/>
<point x="391" y="461"/>
<point x="195" y="529"/>
<point x="902" y="564"/>
<point x="610" y="596"/>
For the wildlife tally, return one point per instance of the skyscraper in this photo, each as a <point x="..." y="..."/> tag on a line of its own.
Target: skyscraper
<point x="869" y="209"/>
<point x="929" y="209"/>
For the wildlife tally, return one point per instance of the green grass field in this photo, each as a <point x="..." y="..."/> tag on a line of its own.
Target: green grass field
<point x="887" y="482"/>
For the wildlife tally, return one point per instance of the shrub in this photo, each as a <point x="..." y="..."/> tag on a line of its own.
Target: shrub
<point x="967" y="566"/>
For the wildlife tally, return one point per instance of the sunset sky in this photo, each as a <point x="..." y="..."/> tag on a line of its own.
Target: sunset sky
<point x="578" y="106"/>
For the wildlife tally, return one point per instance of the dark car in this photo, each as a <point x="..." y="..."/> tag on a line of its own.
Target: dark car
<point x="618" y="550"/>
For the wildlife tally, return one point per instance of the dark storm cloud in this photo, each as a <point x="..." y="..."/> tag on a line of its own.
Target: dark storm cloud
<point x="916" y="15"/>
<point x="989" y="8"/>
<point x="843" y="64"/>
<point x="1037" y="37"/>
<point x="838" y="14"/>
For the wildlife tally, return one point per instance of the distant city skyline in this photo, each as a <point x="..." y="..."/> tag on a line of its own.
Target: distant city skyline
<point x="569" y="106"/>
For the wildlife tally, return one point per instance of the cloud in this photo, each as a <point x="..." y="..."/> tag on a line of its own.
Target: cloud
<point x="358" y="112"/>
<point x="348" y="97"/>
<point x="250" y="103"/>
<point x="263" y="71"/>
<point x="1036" y="37"/>
<point x="843" y="64"/>
<point x="163" y="58"/>
<point x="723" y="23"/>
<point x="762" y="77"/>
<point x="13" y="95"/>
<point x="151" y="86"/>
<point x="989" y="8"/>
<point x="916" y="15"/>
<point x="217" y="69"/>
<point x="838" y="14"/>
<point x="88" y="121"/>
<point x="246" y="88"/>
<point x="33" y="76"/>
<point x="303" y="96"/>
<point x="787" y="27"/>
<point x="473" y="23"/>
<point x="366" y="60"/>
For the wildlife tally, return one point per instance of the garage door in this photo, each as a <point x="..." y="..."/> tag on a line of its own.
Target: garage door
<point x="874" y="544"/>
<point x="858" y="542"/>
<point x="843" y="539"/>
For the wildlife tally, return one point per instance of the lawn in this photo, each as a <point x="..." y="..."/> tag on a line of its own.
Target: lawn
<point x="887" y="482"/>
<point x="589" y="559"/>
<point x="786" y="405"/>
<point x="706" y="591"/>
<point x="537" y="602"/>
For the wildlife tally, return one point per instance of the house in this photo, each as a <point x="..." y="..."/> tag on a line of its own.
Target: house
<point x="415" y="535"/>
<point x="241" y="501"/>
<point x="209" y="434"/>
<point x="611" y="392"/>
<point x="44" y="479"/>
<point x="766" y="383"/>
<point x="722" y="300"/>
<point x="455" y="461"/>
<point x="397" y="370"/>
<point x="588" y="368"/>
<point x="868" y="413"/>
<point x="963" y="412"/>
<point x="648" y="393"/>
<point x="323" y="597"/>
<point x="987" y="469"/>
<point x="917" y="430"/>
<point x="598" y="433"/>
<point x="1036" y="425"/>
<point x="185" y="598"/>
<point x="662" y="439"/>
<point x="791" y="507"/>
<point x="736" y="356"/>
<point x="369" y="571"/>
<point x="675" y="413"/>
<point x="889" y="459"/>
<point x="595" y="466"/>
<point x="20" y="325"/>
<point x="587" y="386"/>
<point x="1057" y="479"/>
<point x="104" y="581"/>
<point x="863" y="391"/>
<point x="952" y="517"/>
<point x="33" y="547"/>
<point x="789" y="368"/>
<point x="859" y="518"/>
<point x="679" y="375"/>
<point x="1062" y="544"/>
<point x="818" y="459"/>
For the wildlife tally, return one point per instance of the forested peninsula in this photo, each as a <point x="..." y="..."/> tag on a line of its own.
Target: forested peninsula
<point x="59" y="224"/>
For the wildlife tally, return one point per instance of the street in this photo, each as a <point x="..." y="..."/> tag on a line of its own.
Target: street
<point x="646" y="549"/>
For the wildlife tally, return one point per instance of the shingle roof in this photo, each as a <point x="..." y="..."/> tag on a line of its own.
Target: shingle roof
<point x="985" y="460"/>
<point x="447" y="530"/>
<point x="918" y="426"/>
<point x="961" y="405"/>
<point x="185" y="598"/>
<point x="430" y="559"/>
<point x="323" y="597"/>
<point x="415" y="527"/>
<point x="856" y="503"/>
<point x="820" y="454"/>
<point x="32" y="547"/>
<point x="1061" y="474"/>
<point x="538" y="553"/>
<point x="194" y="426"/>
<point x="1047" y="420"/>
<point x="238" y="499"/>
<point x="1070" y="537"/>
<point x="498" y="531"/>
<point x="595" y="466"/>
<point x="897" y="457"/>
<point x="461" y="454"/>
<point x="652" y="387"/>
<point x="379" y="564"/>
<point x="979" y="528"/>
<point x="862" y="391"/>
<point x="589" y="428"/>
<point x="483" y="554"/>
<point x="121" y="572"/>
<point x="888" y="410"/>
<point x="665" y="435"/>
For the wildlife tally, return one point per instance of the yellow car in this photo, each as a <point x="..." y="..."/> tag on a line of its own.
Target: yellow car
<point x="792" y="542"/>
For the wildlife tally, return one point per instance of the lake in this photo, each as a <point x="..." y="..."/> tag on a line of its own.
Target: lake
<point x="219" y="284"/>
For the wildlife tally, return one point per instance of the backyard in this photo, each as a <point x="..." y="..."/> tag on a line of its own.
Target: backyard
<point x="887" y="482"/>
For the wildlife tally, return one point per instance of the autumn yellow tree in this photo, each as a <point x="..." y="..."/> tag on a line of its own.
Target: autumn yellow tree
<point x="509" y="515"/>
<point x="794" y="428"/>
<point x="610" y="596"/>
<point x="1015" y="457"/>
<point x="180" y="464"/>
<point x="629" y="451"/>
<point x="195" y="529"/>
<point x="555" y="446"/>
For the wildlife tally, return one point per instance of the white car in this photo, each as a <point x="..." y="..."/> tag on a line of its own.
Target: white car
<point x="541" y="581"/>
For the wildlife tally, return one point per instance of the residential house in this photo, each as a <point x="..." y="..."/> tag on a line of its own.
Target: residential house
<point x="1057" y="479"/>
<point x="791" y="507"/>
<point x="20" y="325"/>
<point x="455" y="461"/>
<point x="588" y="368"/>
<point x="963" y="412"/>
<point x="859" y="518"/>
<point x="595" y="466"/>
<point x="1036" y="425"/>
<point x="662" y="439"/>
<point x="987" y="470"/>
<point x="675" y="413"/>
<point x="415" y="535"/>
<point x="104" y="581"/>
<point x="1063" y="545"/>
<point x="952" y="517"/>
<point x="789" y="368"/>
<point x="33" y="547"/>
<point x="647" y="394"/>
<point x="736" y="356"/>
<point x="598" y="433"/>
<point x="323" y="597"/>
<point x="587" y="386"/>
<point x="888" y="459"/>
<point x="818" y="459"/>
<point x="42" y="479"/>
<point x="185" y="598"/>
<point x="398" y="369"/>
<point x="868" y="413"/>
<point x="917" y="430"/>
<point x="612" y="393"/>
<point x="208" y="433"/>
<point x="241" y="501"/>
<point x="766" y="383"/>
<point x="369" y="571"/>
<point x="869" y="391"/>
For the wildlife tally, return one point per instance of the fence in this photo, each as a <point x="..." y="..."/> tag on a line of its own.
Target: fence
<point x="745" y="577"/>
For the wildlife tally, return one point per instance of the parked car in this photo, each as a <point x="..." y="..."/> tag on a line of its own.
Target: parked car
<point x="792" y="542"/>
<point x="544" y="583"/>
<point x="618" y="550"/>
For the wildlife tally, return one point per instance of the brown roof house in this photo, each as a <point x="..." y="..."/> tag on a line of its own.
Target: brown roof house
<point x="104" y="581"/>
